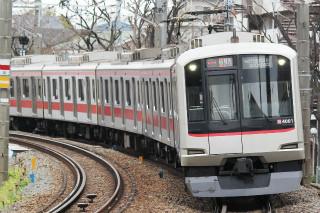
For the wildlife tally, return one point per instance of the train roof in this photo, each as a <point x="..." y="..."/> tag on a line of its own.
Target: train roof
<point x="235" y="49"/>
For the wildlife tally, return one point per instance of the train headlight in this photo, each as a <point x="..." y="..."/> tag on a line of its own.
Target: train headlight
<point x="290" y="146"/>
<point x="193" y="67"/>
<point x="281" y="62"/>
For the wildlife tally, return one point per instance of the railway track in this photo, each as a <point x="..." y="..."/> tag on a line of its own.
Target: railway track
<point x="254" y="204"/>
<point x="81" y="185"/>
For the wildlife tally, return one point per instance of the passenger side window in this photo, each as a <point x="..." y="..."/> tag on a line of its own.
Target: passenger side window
<point x="93" y="91"/>
<point x="44" y="89"/>
<point x="67" y="89"/>
<point x="55" y="91"/>
<point x="80" y="90"/>
<point x="128" y="93"/>
<point x="11" y="88"/>
<point x="25" y="83"/>
<point x="116" y="84"/>
<point x="39" y="88"/>
<point x="106" y="91"/>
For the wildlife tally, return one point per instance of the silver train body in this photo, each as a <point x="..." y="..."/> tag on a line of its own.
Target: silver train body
<point x="228" y="113"/>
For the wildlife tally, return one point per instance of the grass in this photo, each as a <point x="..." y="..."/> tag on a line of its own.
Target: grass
<point x="10" y="190"/>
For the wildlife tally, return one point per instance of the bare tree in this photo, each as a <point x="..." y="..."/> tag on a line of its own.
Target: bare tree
<point x="173" y="26"/>
<point x="87" y="25"/>
<point x="141" y="12"/>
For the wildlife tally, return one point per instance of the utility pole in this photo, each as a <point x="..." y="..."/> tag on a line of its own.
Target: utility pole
<point x="37" y="29"/>
<point x="161" y="28"/>
<point x="305" y="82"/>
<point x="228" y="16"/>
<point x="5" y="56"/>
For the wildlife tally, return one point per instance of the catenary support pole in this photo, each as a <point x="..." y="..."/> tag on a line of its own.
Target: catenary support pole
<point x="37" y="29"/>
<point x="305" y="79"/>
<point x="5" y="56"/>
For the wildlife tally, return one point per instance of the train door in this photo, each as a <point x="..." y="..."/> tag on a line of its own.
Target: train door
<point x="88" y="97"/>
<point x="223" y="112"/>
<point x="74" y="97"/>
<point x="61" y="96"/>
<point x="34" y="95"/>
<point x="18" y="95"/>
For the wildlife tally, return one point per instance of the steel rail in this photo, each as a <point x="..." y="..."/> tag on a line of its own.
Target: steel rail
<point x="77" y="170"/>
<point x="110" y="203"/>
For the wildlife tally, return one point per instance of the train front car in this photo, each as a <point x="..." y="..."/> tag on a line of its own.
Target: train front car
<point x="240" y="120"/>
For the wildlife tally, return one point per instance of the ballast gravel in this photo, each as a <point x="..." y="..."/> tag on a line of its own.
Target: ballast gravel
<point x="154" y="194"/>
<point x="47" y="181"/>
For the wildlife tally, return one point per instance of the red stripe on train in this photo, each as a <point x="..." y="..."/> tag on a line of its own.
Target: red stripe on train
<point x="242" y="133"/>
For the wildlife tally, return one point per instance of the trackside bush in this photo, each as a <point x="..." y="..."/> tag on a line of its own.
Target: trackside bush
<point x="9" y="192"/>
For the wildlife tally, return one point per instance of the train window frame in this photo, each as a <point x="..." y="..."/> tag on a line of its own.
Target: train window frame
<point x="138" y="96"/>
<point x="170" y="98"/>
<point x="25" y="88"/>
<point x="128" y="93"/>
<point x="147" y="95"/>
<point x="44" y="88"/>
<point x="97" y="91"/>
<point x="80" y="90"/>
<point x="117" y="92"/>
<point x="12" y="92"/>
<point x="67" y="88"/>
<point x="163" y="110"/>
<point x="39" y="88"/>
<point x="93" y="87"/>
<point x="154" y="94"/>
<point x="106" y="91"/>
<point x="55" y="91"/>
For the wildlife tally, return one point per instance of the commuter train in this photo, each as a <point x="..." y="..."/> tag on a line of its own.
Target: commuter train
<point x="228" y="112"/>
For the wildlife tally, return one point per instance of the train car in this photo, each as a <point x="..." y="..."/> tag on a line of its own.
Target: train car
<point x="240" y="119"/>
<point x="227" y="110"/>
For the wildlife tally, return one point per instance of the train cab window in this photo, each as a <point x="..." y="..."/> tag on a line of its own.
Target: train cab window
<point x="106" y="91"/>
<point x="222" y="96"/>
<point x="128" y="94"/>
<point x="25" y="83"/>
<point x="11" y="88"/>
<point x="116" y="84"/>
<point x="67" y="89"/>
<point x="93" y="91"/>
<point x="266" y="86"/>
<point x="39" y="88"/>
<point x="163" y="109"/>
<point x="55" y="91"/>
<point x="155" y="98"/>
<point x="194" y="93"/>
<point x="80" y="90"/>
<point x="147" y="95"/>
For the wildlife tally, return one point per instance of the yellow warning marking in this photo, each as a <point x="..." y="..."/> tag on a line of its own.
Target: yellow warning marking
<point x="140" y="159"/>
<point x="33" y="163"/>
<point x="5" y="79"/>
<point x="4" y="85"/>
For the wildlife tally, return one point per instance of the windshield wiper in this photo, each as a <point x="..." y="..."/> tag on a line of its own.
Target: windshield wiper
<point x="214" y="102"/>
<point x="258" y="107"/>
